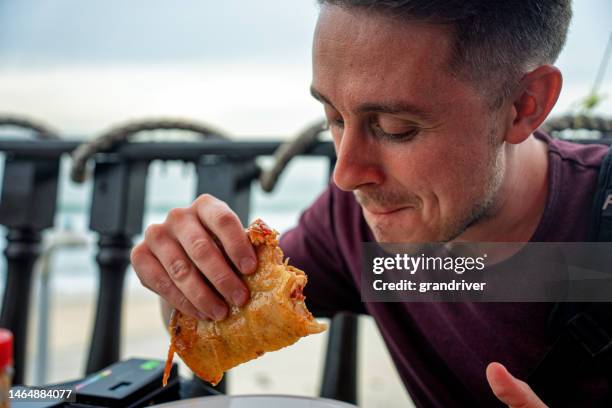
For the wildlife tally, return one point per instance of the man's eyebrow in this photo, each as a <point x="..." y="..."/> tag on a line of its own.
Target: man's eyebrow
<point x="369" y="107"/>
<point x="393" y="108"/>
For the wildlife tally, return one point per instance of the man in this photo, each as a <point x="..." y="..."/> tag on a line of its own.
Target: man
<point x="433" y="107"/>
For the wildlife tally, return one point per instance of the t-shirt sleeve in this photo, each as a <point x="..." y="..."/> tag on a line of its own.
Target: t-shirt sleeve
<point x="312" y="247"/>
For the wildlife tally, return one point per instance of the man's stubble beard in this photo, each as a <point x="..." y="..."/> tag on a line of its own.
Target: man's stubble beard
<point x="483" y="209"/>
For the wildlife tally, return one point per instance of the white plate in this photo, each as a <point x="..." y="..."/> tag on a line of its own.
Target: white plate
<point x="256" y="401"/>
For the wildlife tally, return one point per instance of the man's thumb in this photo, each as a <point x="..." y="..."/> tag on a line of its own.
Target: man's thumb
<point x="511" y="391"/>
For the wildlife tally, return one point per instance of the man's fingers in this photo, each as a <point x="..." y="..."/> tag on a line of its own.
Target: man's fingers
<point x="183" y="272"/>
<point x="207" y="257"/>
<point x="225" y="225"/>
<point x="510" y="390"/>
<point x="153" y="276"/>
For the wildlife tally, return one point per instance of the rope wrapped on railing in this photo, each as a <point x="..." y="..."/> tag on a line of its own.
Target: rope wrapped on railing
<point x="122" y="133"/>
<point x="579" y="122"/>
<point x="41" y="131"/>
<point x="301" y="144"/>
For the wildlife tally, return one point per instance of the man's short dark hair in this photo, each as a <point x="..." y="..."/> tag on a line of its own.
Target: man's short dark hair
<point x="495" y="40"/>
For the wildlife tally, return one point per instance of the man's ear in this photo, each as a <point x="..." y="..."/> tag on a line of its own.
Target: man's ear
<point x="537" y="94"/>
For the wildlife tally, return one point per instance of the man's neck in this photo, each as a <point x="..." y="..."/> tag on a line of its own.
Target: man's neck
<point x="521" y="199"/>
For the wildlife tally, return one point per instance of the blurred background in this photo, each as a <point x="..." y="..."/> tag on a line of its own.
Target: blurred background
<point x="241" y="66"/>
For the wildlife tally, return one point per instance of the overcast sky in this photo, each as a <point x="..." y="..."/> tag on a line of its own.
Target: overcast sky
<point x="244" y="65"/>
<point x="150" y="31"/>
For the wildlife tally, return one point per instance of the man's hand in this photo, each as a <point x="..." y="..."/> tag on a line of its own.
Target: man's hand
<point x="511" y="391"/>
<point x="205" y="240"/>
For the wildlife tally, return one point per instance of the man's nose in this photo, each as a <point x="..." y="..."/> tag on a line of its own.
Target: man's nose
<point x="358" y="160"/>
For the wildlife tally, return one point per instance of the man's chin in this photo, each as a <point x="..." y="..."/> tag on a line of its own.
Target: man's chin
<point x="402" y="226"/>
<point x="397" y="233"/>
<point x="403" y="238"/>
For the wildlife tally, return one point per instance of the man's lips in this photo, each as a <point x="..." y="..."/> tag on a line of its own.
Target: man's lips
<point x="386" y="211"/>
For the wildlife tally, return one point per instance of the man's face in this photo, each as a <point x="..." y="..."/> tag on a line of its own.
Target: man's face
<point x="419" y="148"/>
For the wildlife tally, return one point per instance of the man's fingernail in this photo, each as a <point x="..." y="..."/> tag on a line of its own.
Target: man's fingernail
<point x="247" y="265"/>
<point x="218" y="312"/>
<point x="239" y="297"/>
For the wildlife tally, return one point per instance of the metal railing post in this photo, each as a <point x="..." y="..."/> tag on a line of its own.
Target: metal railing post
<point x="116" y="215"/>
<point x="27" y="207"/>
<point x="228" y="180"/>
<point x="340" y="370"/>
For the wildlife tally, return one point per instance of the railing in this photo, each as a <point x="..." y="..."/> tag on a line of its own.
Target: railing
<point x="224" y="168"/>
<point x="27" y="207"/>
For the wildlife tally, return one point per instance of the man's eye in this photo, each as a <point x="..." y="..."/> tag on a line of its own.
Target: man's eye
<point x="337" y="122"/>
<point x="394" y="137"/>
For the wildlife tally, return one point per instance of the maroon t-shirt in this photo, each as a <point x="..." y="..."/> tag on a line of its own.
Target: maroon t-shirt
<point x="441" y="350"/>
